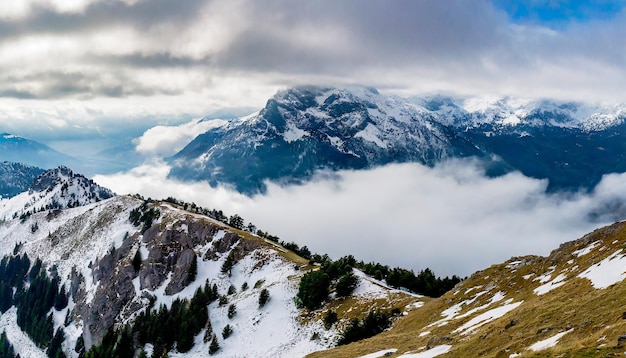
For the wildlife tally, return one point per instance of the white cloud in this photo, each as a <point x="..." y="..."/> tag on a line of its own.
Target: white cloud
<point x="451" y="218"/>
<point x="166" y="141"/>
<point x="20" y="9"/>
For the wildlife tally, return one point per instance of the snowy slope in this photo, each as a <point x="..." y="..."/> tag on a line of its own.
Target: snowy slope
<point x="503" y="112"/>
<point x="77" y="238"/>
<point x="91" y="248"/>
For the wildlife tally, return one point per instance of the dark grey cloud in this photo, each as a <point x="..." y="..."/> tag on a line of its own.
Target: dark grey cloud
<point x="59" y="85"/>
<point x="158" y="60"/>
<point x="45" y="19"/>
<point x="338" y="35"/>
<point x="453" y="45"/>
<point x="15" y="93"/>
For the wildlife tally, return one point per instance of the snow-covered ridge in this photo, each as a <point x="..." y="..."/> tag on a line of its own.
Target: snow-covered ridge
<point x="58" y="188"/>
<point x="457" y="111"/>
<point x="10" y="136"/>
<point x="355" y="112"/>
<point x="511" y="112"/>
<point x="93" y="248"/>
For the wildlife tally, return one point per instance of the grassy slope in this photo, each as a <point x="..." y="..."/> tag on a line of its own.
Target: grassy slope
<point x="595" y="315"/>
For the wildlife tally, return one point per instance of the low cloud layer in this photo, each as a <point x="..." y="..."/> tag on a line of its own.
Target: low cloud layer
<point x="451" y="218"/>
<point x="165" y="141"/>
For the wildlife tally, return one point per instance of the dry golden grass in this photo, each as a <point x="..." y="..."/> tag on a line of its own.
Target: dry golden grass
<point x="594" y="315"/>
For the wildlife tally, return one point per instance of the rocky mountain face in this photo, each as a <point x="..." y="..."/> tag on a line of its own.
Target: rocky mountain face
<point x="16" y="178"/>
<point x="305" y="130"/>
<point x="570" y="304"/>
<point x="121" y="264"/>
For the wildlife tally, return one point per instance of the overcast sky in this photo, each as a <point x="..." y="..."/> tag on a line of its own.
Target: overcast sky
<point x="103" y="66"/>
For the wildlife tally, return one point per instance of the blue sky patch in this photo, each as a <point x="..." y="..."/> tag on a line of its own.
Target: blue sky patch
<point x="559" y="12"/>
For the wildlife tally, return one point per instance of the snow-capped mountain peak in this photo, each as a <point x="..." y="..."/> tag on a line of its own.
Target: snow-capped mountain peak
<point x="304" y="129"/>
<point x="58" y="188"/>
<point x="511" y="112"/>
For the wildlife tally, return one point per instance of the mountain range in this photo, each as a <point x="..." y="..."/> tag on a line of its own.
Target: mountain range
<point x="17" y="149"/>
<point x="306" y="130"/>
<point x="22" y="150"/>
<point x="88" y="273"/>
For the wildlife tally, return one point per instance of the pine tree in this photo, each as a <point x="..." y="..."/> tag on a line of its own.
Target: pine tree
<point x="227" y="331"/>
<point x="228" y="263"/>
<point x="6" y="348"/>
<point x="330" y="319"/>
<point x="54" y="350"/>
<point x="313" y="289"/>
<point x="215" y="346"/>
<point x="346" y="284"/>
<point x="80" y="346"/>
<point x="124" y="347"/>
<point x="232" y="311"/>
<point x="264" y="297"/>
<point x="236" y="221"/>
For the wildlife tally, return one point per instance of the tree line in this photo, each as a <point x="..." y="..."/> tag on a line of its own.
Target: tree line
<point x="338" y="276"/>
<point x="30" y="289"/>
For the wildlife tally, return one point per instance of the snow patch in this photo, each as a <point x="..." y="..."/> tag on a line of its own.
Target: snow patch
<point x="293" y="133"/>
<point x="22" y="344"/>
<point x="380" y="353"/>
<point x="548" y="343"/>
<point x="433" y="352"/>
<point x="371" y="133"/>
<point x="607" y="272"/>
<point x="486" y="317"/>
<point x="551" y="285"/>
<point x="586" y="250"/>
